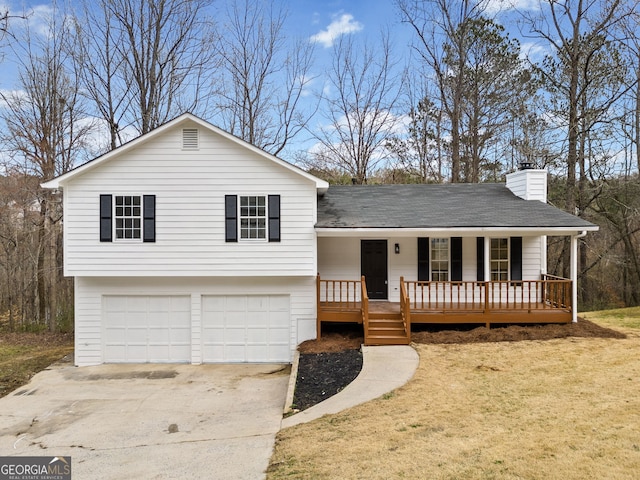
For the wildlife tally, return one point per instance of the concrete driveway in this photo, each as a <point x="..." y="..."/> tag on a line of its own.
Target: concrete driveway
<point x="149" y="421"/>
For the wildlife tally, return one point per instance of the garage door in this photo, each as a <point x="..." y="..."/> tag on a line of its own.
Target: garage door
<point x="147" y="329"/>
<point x="246" y="328"/>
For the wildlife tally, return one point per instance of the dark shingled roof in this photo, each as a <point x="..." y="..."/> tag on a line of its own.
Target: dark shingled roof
<point x="437" y="206"/>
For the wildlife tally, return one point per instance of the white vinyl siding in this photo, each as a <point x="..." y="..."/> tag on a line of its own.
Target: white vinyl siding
<point x="190" y="188"/>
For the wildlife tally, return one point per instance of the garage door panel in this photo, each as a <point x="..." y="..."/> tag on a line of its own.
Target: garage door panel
<point x="241" y="328"/>
<point x="279" y="336"/>
<point x="147" y="328"/>
<point x="257" y="335"/>
<point x="279" y="303"/>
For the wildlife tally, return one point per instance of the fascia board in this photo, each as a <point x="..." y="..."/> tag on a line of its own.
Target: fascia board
<point x="449" y="232"/>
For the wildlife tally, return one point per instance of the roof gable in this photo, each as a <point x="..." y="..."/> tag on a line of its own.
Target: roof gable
<point x="183" y="119"/>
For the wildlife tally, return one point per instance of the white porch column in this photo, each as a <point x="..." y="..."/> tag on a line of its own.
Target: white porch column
<point x="574" y="278"/>
<point x="574" y="274"/>
<point x="487" y="259"/>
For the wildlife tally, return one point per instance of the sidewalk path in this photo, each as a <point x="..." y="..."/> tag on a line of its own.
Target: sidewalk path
<point x="384" y="368"/>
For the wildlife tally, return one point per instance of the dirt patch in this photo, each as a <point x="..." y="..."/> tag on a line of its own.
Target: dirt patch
<point x="510" y="333"/>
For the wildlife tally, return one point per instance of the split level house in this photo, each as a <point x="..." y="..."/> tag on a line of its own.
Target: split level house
<point x="189" y="245"/>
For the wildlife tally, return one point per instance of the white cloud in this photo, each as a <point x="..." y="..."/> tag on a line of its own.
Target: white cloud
<point x="341" y="25"/>
<point x="533" y="51"/>
<point x="494" y="6"/>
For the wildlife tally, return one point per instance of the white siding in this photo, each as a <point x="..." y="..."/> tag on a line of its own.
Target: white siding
<point x="528" y="184"/>
<point x="89" y="292"/>
<point x="190" y="188"/>
<point x="339" y="259"/>
<point x="531" y="258"/>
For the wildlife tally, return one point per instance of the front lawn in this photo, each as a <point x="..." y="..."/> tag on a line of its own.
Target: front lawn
<point x="22" y="355"/>
<point x="564" y="408"/>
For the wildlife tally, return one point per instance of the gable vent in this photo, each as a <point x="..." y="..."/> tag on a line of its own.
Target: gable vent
<point x="190" y="139"/>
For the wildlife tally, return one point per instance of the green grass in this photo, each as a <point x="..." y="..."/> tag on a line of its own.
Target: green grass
<point x="22" y="355"/>
<point x="619" y="317"/>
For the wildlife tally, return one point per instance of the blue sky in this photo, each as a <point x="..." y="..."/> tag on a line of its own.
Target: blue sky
<point x="319" y="22"/>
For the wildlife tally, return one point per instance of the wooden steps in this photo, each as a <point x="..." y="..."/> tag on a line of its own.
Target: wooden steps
<point x="386" y="329"/>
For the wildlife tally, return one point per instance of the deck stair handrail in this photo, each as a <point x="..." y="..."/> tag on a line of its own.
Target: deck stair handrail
<point x="364" y="306"/>
<point x="405" y="308"/>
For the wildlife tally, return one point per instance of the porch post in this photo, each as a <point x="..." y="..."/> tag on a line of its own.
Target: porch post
<point x="487" y="259"/>
<point x="574" y="278"/>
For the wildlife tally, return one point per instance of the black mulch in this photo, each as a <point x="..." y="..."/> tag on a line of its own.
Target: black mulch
<point x="322" y="375"/>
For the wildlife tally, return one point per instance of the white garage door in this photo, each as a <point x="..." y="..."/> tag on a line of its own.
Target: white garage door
<point x="246" y="328"/>
<point x="147" y="329"/>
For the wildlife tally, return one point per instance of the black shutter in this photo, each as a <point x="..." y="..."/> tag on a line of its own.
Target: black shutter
<point x="106" y="205"/>
<point x="149" y="218"/>
<point x="456" y="259"/>
<point x="274" y="218"/>
<point x="231" y="218"/>
<point x="480" y="259"/>
<point x="423" y="259"/>
<point x="516" y="258"/>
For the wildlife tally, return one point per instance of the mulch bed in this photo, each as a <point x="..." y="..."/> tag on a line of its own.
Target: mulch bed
<point x="322" y="375"/>
<point x="330" y="363"/>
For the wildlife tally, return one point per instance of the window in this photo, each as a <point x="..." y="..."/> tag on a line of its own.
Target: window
<point x="253" y="217"/>
<point x="256" y="218"/>
<point x="128" y="217"/>
<point x="499" y="259"/>
<point x="440" y="259"/>
<point x="134" y="215"/>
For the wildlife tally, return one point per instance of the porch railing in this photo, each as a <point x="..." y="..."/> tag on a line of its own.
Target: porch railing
<point x="550" y="293"/>
<point x="341" y="301"/>
<point x="528" y="301"/>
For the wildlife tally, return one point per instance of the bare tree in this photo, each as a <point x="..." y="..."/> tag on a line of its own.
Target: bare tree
<point x="363" y="92"/>
<point x="577" y="31"/>
<point x="420" y="151"/>
<point x="581" y="77"/>
<point x="436" y="24"/>
<point x="46" y="133"/>
<point x="143" y="61"/>
<point x="262" y="79"/>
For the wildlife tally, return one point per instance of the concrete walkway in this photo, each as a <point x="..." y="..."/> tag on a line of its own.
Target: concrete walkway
<point x="384" y="369"/>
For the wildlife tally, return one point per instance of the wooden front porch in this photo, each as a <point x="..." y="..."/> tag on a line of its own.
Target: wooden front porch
<point x="501" y="302"/>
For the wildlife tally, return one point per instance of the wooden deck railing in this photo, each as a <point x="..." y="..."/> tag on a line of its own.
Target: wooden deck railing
<point x="551" y="293"/>
<point x="529" y="301"/>
<point x="341" y="301"/>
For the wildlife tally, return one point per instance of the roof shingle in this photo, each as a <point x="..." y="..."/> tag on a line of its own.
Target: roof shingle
<point x="437" y="206"/>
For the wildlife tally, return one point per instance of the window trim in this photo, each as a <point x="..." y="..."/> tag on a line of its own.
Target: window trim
<point x="432" y="259"/>
<point x="264" y="217"/>
<point x="507" y="269"/>
<point x="140" y="218"/>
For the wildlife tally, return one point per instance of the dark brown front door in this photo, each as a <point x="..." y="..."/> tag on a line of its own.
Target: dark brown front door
<point x="373" y="261"/>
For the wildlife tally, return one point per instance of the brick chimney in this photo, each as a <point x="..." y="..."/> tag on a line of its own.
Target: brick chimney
<point x="528" y="183"/>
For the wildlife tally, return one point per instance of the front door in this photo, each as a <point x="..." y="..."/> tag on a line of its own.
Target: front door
<point x="374" y="267"/>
